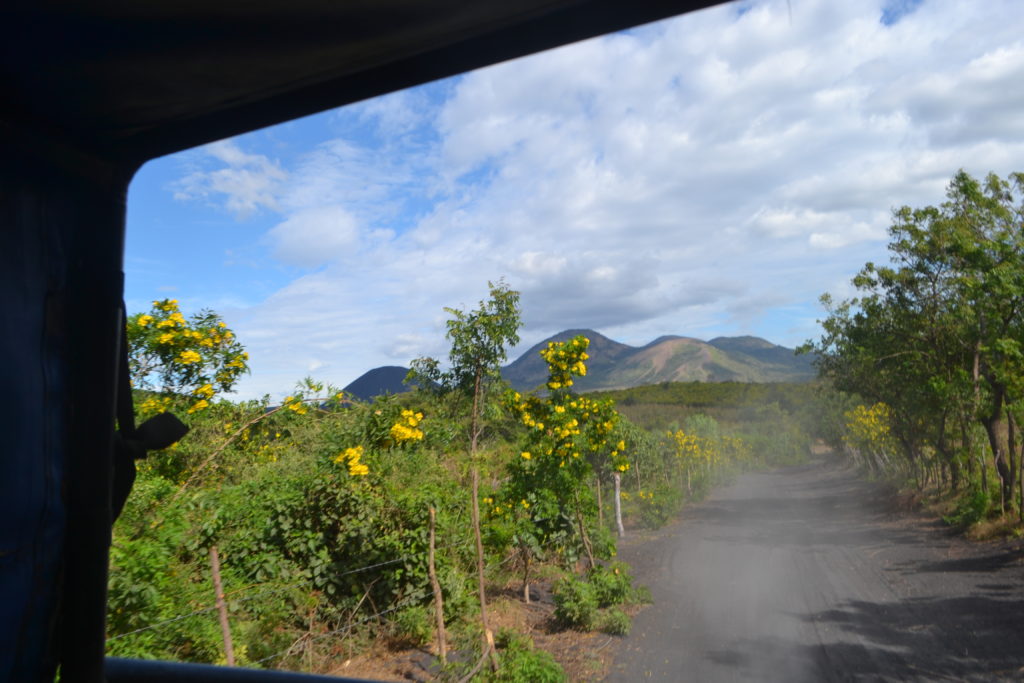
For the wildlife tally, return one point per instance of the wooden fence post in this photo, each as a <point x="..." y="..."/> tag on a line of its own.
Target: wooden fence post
<point x="442" y="646"/>
<point x="222" y="607"/>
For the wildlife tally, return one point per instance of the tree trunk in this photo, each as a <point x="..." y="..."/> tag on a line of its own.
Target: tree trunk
<point x="442" y="641"/>
<point x="618" y="504"/>
<point x="993" y="423"/>
<point x="583" y="533"/>
<point x="488" y="637"/>
<point x="966" y="446"/>
<point x="1019" y="458"/>
<point x="1011" y="453"/>
<point x="976" y="377"/>
<point x="474" y="416"/>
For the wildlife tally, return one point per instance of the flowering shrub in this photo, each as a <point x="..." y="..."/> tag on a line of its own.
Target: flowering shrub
<point x="701" y="449"/>
<point x="545" y="502"/>
<point x="197" y="356"/>
<point x="351" y="457"/>
<point x="407" y="428"/>
<point x="869" y="435"/>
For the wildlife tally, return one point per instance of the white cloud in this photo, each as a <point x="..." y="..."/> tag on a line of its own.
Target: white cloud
<point x="709" y="174"/>
<point x="248" y="182"/>
<point x="315" y="236"/>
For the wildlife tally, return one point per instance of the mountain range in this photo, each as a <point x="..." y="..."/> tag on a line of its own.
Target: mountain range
<point x="613" y="365"/>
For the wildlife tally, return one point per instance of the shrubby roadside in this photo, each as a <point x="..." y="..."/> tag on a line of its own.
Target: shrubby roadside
<point x="318" y="509"/>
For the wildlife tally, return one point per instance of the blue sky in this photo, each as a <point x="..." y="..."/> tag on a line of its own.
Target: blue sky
<point x="708" y="175"/>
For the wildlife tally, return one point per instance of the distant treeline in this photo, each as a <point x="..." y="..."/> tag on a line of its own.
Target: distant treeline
<point x="657" y="406"/>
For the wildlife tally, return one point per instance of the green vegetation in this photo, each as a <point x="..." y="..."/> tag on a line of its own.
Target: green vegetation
<point x="594" y="601"/>
<point x="929" y="354"/>
<point x="522" y="663"/>
<point x="315" y="513"/>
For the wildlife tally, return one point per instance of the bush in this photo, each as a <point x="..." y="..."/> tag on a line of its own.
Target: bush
<point x="659" y="506"/>
<point x="612" y="585"/>
<point x="575" y="603"/>
<point x="521" y="663"/>
<point x="413" y="626"/>
<point x="971" y="509"/>
<point x="615" y="622"/>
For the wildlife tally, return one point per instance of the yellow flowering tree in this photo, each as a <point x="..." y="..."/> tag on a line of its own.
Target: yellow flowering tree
<point x="869" y="435"/>
<point x="198" y="357"/>
<point x="545" y="498"/>
<point x="700" y="449"/>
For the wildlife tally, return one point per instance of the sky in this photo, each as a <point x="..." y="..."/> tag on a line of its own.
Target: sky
<point x="708" y="175"/>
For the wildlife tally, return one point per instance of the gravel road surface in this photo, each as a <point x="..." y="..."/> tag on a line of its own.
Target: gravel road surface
<point x="805" y="574"/>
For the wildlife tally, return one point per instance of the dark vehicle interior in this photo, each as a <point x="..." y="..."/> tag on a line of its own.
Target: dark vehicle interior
<point x="92" y="90"/>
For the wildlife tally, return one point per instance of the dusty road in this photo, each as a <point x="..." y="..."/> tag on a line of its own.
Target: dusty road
<point x="803" y="575"/>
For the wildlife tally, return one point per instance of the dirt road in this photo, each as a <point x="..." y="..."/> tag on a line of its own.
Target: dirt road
<point x="804" y="575"/>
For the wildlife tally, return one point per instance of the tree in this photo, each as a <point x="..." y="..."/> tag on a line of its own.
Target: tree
<point x="479" y="339"/>
<point x="936" y="335"/>
<point x="197" y="357"/>
<point x="545" y="493"/>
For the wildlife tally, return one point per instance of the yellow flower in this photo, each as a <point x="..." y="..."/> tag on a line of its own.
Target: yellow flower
<point x="526" y="455"/>
<point x="199" y="405"/>
<point x="165" y="338"/>
<point x="524" y="503"/>
<point x="406" y="432"/>
<point x="189" y="357"/>
<point x="145" y="320"/>
<point x="351" y="456"/>
<point x="206" y="391"/>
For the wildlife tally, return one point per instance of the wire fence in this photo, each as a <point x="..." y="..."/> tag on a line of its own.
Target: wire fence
<point x="320" y="636"/>
<point x="206" y="609"/>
